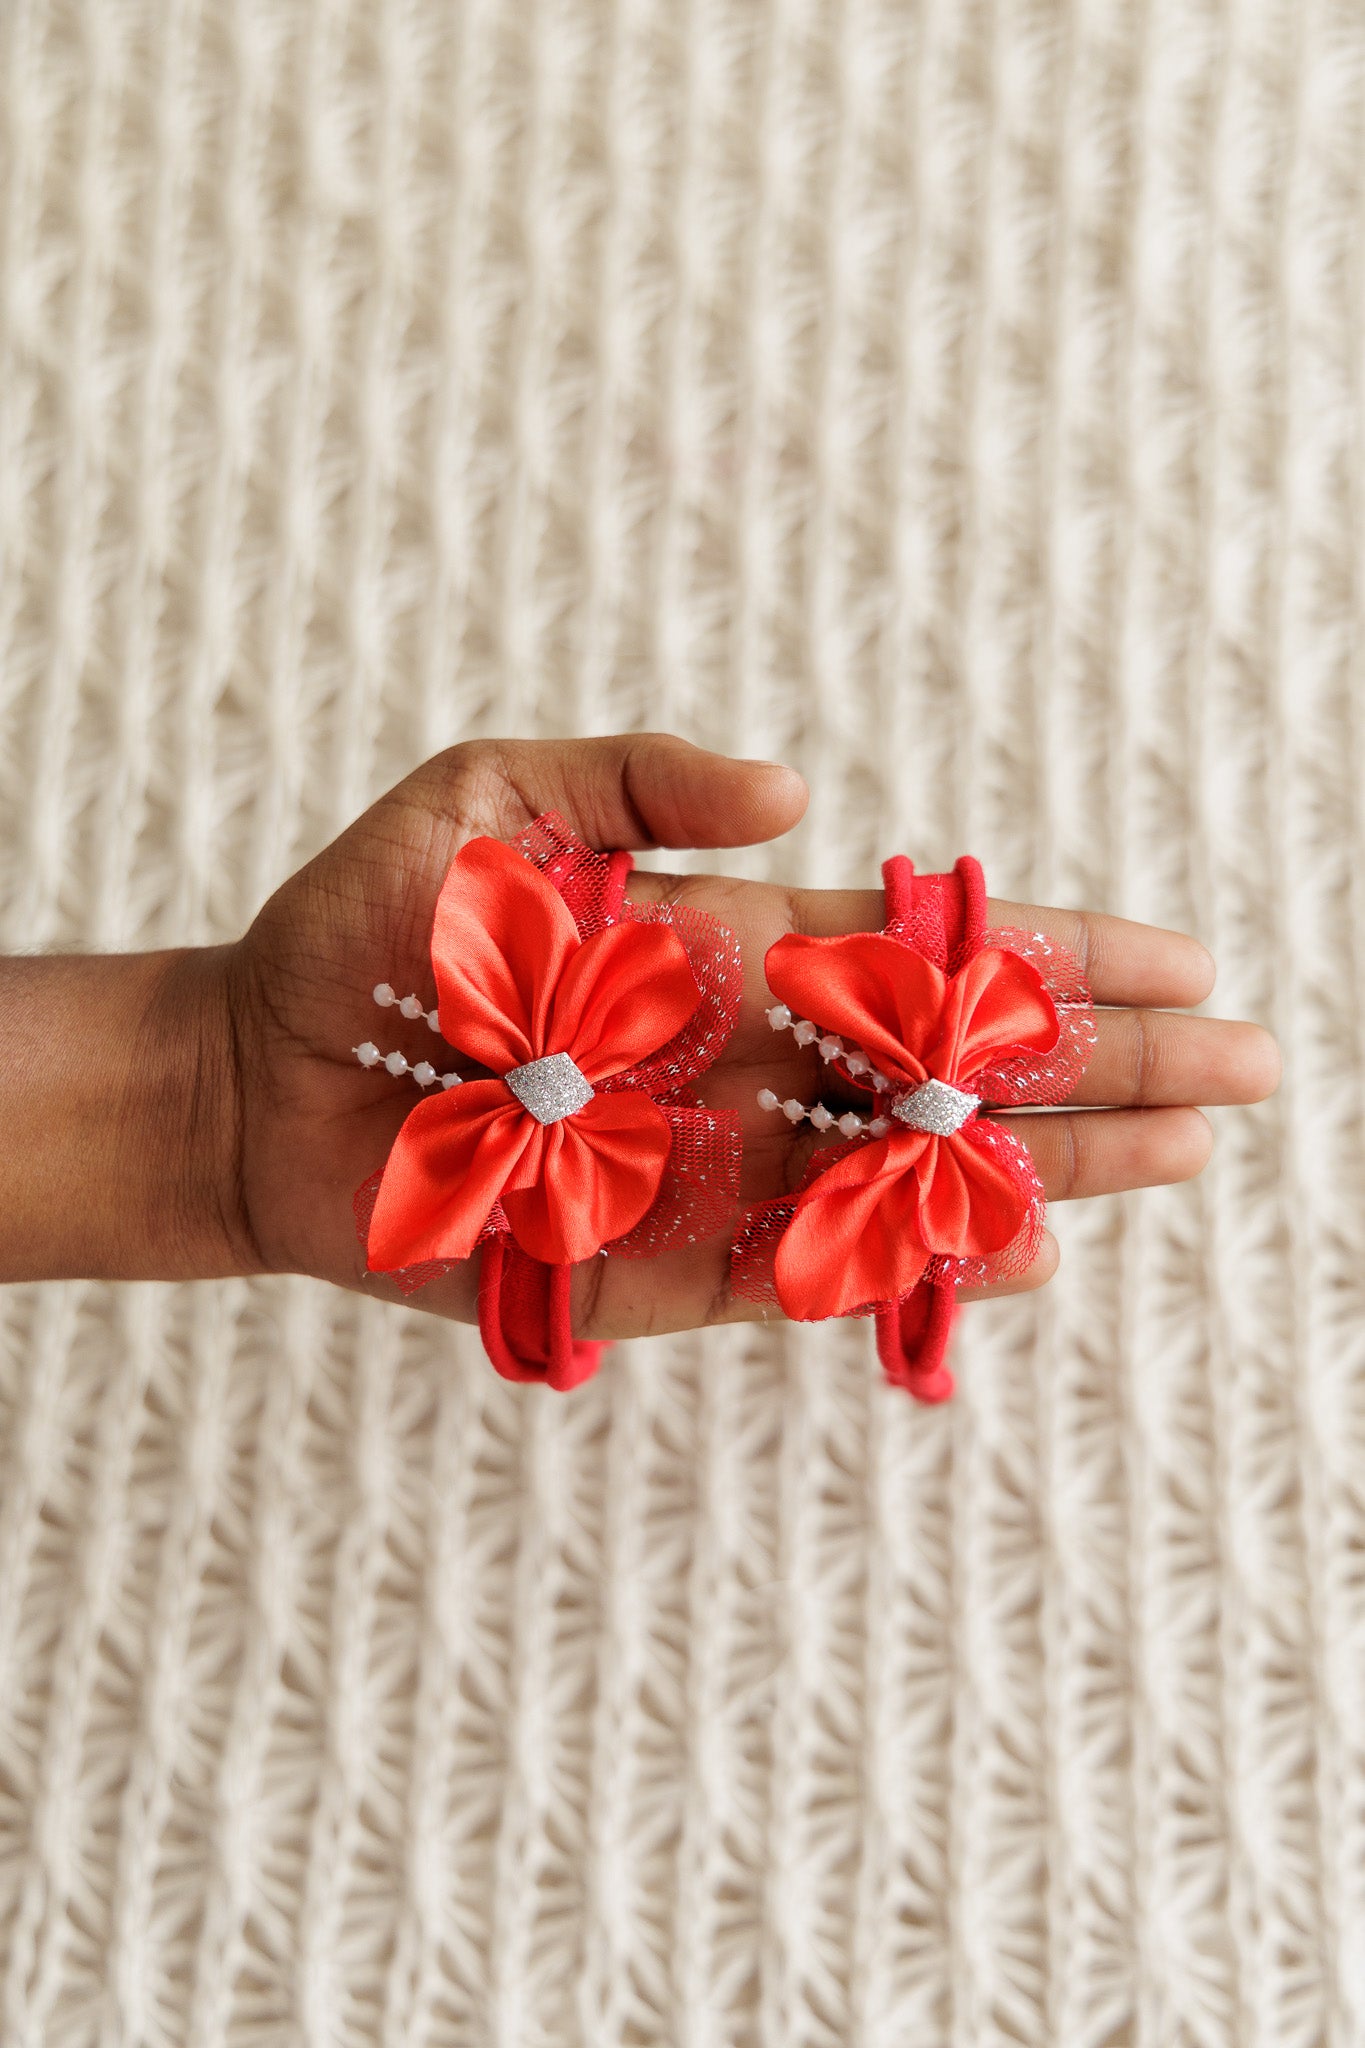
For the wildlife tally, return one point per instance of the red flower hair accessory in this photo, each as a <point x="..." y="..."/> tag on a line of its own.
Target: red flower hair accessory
<point x="590" y="1016"/>
<point x="937" y="1019"/>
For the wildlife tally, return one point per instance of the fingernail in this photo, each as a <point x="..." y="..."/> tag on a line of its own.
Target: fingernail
<point x="1210" y="968"/>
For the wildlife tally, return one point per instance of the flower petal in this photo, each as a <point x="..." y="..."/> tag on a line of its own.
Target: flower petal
<point x="853" y="1238"/>
<point x="996" y="1004"/>
<point x="598" y="1173"/>
<point x="874" y="992"/>
<point x="449" y="1163"/>
<point x="968" y="1204"/>
<point x="622" y="994"/>
<point x="503" y="936"/>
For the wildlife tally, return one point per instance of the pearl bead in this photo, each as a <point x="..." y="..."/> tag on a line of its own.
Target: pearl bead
<point x="411" y="1007"/>
<point x="830" y="1048"/>
<point x="850" y="1124"/>
<point x="779" y="1016"/>
<point x="879" y="1127"/>
<point x="767" y="1099"/>
<point x="805" y="1033"/>
<point x="424" y="1073"/>
<point x="397" y="1063"/>
<point x="384" y="996"/>
<point x="793" y="1110"/>
<point x="368" y="1053"/>
<point x="821" y="1117"/>
<point x="857" y="1063"/>
<point x="433" y="1020"/>
<point x="450" y="1080"/>
<point x="879" y="1081"/>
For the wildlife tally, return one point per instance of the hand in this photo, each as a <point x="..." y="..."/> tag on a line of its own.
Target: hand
<point x="314" y="1124"/>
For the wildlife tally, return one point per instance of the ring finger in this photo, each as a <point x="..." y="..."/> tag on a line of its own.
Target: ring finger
<point x="1101" y="1152"/>
<point x="1146" y="1058"/>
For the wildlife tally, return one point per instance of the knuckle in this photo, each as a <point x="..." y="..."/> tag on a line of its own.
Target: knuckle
<point x="670" y="889"/>
<point x="800" y="1146"/>
<point x="646" y="1323"/>
<point x="1093" y="948"/>
<point x="467" y="761"/>
<point x="467" y="785"/>
<point x="501" y="772"/>
<point x="1144" y="1056"/>
<point x="640" y="753"/>
<point x="719" y="1306"/>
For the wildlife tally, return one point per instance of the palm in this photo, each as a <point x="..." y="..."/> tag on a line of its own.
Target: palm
<point x="316" y="1124"/>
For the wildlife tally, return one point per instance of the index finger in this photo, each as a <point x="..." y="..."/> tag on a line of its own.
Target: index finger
<point x="1123" y="962"/>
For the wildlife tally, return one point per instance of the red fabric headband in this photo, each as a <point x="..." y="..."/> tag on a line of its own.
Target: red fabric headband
<point x="935" y="1018"/>
<point x="592" y="1017"/>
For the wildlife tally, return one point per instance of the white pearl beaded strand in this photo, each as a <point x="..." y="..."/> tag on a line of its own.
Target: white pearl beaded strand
<point x="397" y="1063"/>
<point x="409" y="1006"/>
<point x="829" y="1047"/>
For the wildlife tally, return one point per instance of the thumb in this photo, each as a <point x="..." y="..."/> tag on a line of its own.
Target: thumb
<point x="633" y="790"/>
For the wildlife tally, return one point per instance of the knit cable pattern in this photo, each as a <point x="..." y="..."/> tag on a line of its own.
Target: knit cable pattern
<point x="963" y="402"/>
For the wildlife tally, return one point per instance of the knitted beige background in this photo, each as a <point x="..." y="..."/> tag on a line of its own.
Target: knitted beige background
<point x="962" y="401"/>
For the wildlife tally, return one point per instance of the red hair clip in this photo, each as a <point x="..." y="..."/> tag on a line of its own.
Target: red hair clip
<point x="590" y="1017"/>
<point x="936" y="1019"/>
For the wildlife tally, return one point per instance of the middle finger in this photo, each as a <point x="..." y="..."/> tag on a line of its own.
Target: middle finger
<point x="1143" y="1059"/>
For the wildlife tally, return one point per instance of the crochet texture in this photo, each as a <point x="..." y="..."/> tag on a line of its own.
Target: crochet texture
<point x="963" y="402"/>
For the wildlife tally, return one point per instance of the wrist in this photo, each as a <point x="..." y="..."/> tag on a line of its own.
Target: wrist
<point x="192" y="1221"/>
<point x="121" y="1106"/>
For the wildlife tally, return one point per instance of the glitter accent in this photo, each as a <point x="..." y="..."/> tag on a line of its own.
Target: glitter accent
<point x="935" y="1107"/>
<point x="551" y="1089"/>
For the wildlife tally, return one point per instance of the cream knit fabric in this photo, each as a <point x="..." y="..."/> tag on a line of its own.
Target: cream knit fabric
<point x="963" y="401"/>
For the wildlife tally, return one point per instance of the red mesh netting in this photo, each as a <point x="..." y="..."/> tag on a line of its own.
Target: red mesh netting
<point x="923" y="931"/>
<point x="932" y="906"/>
<point x="714" y="957"/>
<point x="363" y="1201"/>
<point x="754" y="1251"/>
<point x="699" y="1192"/>
<point x="1044" y="1077"/>
<point x="590" y="883"/>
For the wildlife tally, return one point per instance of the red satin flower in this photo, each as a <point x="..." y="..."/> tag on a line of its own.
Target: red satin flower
<point x="515" y="984"/>
<point x="864" y="1229"/>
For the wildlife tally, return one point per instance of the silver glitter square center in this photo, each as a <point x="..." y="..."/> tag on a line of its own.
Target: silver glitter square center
<point x="935" y="1107"/>
<point x="551" y="1088"/>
